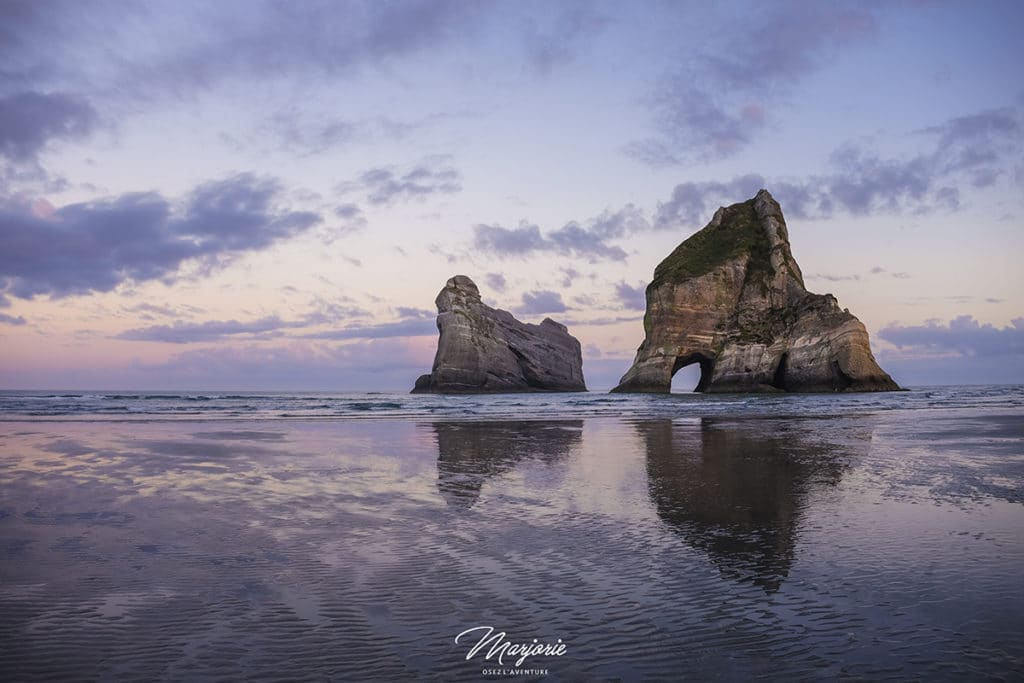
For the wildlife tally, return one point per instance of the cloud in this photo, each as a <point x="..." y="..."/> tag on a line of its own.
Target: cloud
<point x="569" y="274"/>
<point x="973" y="150"/>
<point x="11" y="319"/>
<point x="193" y="46"/>
<point x="694" y="125"/>
<point x="555" y="44"/>
<point x="975" y="141"/>
<point x="526" y="240"/>
<point x="352" y="218"/>
<point x="962" y="335"/>
<point x="412" y="327"/>
<point x="833" y="278"/>
<point x="445" y="252"/>
<point x="413" y="322"/>
<point x="863" y="182"/>
<point x="329" y="312"/>
<point x="348" y="211"/>
<point x="623" y="222"/>
<point x="970" y="150"/>
<point x="273" y="38"/>
<point x="572" y="239"/>
<point x="154" y="309"/>
<point x="211" y="330"/>
<point x="521" y="241"/>
<point x="602" y="322"/>
<point x="716" y="105"/>
<point x="801" y="37"/>
<point x="496" y="281"/>
<point x="411" y="312"/>
<point x="31" y="120"/>
<point x="542" y="301"/>
<point x="301" y="135"/>
<point x="692" y="203"/>
<point x="96" y="246"/>
<point x="385" y="186"/>
<point x="632" y="298"/>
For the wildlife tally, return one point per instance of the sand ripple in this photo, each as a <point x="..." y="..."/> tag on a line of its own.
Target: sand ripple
<point x="863" y="547"/>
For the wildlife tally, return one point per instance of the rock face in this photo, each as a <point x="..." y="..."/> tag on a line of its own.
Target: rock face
<point x="732" y="299"/>
<point x="485" y="350"/>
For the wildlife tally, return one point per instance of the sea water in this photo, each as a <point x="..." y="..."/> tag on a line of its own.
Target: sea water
<point x="261" y="536"/>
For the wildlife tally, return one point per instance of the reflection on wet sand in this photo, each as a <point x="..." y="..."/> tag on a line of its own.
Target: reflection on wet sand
<point x="737" y="490"/>
<point x="470" y="453"/>
<point x="322" y="549"/>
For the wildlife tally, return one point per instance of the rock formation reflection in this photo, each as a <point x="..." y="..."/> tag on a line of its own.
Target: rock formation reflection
<point x="737" y="491"/>
<point x="470" y="453"/>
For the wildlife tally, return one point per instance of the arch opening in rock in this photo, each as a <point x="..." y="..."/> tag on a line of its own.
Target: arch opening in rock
<point x="779" y="378"/>
<point x="684" y="381"/>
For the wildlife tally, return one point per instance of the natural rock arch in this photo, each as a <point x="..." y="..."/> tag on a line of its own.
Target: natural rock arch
<point x="732" y="297"/>
<point x="705" y="363"/>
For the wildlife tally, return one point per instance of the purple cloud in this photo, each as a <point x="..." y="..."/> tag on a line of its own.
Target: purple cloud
<point x="211" y="330"/>
<point x="96" y="246"/>
<point x="30" y="120"/>
<point x="716" y="105"/>
<point x="385" y="187"/>
<point x="963" y="335"/>
<point x="11" y="319"/>
<point x="526" y="240"/>
<point x="542" y="301"/>
<point x="631" y="298"/>
<point x="971" y="150"/>
<point x="496" y="281"/>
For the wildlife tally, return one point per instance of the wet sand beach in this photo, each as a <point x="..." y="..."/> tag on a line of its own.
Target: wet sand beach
<point x="872" y="545"/>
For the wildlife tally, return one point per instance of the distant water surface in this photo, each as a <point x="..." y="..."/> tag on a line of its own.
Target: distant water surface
<point x="284" y="537"/>
<point x="205" y="405"/>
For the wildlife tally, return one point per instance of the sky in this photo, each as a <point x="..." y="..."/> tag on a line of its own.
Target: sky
<point x="268" y="196"/>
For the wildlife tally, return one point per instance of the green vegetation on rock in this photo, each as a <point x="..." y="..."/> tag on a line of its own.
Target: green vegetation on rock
<point x="739" y="232"/>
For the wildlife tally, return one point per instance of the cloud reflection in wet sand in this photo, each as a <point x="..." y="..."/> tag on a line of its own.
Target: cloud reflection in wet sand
<point x="716" y="548"/>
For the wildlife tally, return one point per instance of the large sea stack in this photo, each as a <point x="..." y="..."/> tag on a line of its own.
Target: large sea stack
<point x="732" y="299"/>
<point x="485" y="350"/>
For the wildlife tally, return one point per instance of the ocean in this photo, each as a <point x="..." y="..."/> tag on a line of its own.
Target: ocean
<point x="564" y="537"/>
<point x="19" y="406"/>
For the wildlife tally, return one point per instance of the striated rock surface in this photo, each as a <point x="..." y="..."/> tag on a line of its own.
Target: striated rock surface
<point x="486" y="350"/>
<point x="732" y="299"/>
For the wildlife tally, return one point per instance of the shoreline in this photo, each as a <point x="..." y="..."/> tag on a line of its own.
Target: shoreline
<point x="731" y="546"/>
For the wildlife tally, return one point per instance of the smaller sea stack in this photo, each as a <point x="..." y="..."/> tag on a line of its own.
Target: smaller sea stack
<point x="485" y="350"/>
